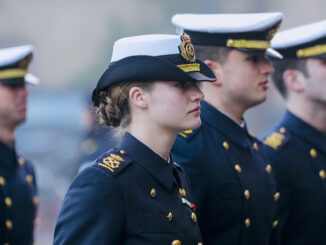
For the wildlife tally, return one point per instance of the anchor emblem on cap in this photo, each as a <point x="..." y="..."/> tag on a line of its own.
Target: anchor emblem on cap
<point x="187" y="50"/>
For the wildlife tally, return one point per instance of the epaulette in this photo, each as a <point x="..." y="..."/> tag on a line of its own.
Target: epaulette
<point x="188" y="134"/>
<point x="277" y="139"/>
<point x="114" y="161"/>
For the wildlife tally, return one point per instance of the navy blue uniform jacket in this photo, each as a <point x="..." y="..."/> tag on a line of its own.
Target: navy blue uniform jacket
<point x="130" y="196"/>
<point x="231" y="181"/>
<point x="299" y="161"/>
<point x="18" y="198"/>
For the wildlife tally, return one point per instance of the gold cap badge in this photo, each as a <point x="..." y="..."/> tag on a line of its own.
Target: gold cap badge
<point x="187" y="50"/>
<point x="272" y="32"/>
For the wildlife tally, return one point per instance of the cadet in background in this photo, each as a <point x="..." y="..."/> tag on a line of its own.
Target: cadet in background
<point x="298" y="141"/>
<point x="231" y="177"/>
<point x="18" y="191"/>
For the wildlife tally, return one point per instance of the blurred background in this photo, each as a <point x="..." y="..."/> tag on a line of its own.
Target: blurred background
<point x="73" y="43"/>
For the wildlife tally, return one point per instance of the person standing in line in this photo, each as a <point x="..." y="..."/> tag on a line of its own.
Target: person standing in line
<point x="135" y="193"/>
<point x="298" y="141"/>
<point x="18" y="190"/>
<point x="231" y="178"/>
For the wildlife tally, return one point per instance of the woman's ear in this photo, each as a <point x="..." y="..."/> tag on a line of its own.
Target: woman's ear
<point x="136" y="96"/>
<point x="217" y="70"/>
<point x="294" y="80"/>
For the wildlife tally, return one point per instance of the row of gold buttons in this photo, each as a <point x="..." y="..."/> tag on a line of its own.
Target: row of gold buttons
<point x="182" y="192"/>
<point x="268" y="170"/>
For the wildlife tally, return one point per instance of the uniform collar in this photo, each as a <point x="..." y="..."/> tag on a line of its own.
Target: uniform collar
<point x="224" y="124"/>
<point x="148" y="159"/>
<point x="309" y="133"/>
<point x="7" y="156"/>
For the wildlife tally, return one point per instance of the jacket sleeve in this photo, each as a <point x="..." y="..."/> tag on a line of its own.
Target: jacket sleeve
<point x="92" y="211"/>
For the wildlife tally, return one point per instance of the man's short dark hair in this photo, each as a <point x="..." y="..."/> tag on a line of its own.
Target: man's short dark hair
<point x="215" y="53"/>
<point x="281" y="65"/>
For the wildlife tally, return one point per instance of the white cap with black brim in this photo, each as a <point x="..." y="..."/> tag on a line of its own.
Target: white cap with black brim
<point x="155" y="57"/>
<point x="303" y="41"/>
<point x="246" y="32"/>
<point x="14" y="63"/>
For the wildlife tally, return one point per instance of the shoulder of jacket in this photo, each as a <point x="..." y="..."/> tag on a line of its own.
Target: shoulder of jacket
<point x="113" y="161"/>
<point x="188" y="135"/>
<point x="277" y="138"/>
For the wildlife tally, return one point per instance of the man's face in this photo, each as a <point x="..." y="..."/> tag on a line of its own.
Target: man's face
<point x="245" y="79"/>
<point x="13" y="104"/>
<point x="316" y="81"/>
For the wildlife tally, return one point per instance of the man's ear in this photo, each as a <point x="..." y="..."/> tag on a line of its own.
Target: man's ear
<point x="217" y="69"/>
<point x="294" y="80"/>
<point x="136" y="96"/>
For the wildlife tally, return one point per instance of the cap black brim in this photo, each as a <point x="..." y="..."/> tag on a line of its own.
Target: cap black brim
<point x="150" y="68"/>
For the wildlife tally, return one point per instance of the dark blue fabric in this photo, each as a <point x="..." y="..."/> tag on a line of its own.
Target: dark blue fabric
<point x="218" y="189"/>
<point x="22" y="211"/>
<point x="303" y="202"/>
<point x="105" y="207"/>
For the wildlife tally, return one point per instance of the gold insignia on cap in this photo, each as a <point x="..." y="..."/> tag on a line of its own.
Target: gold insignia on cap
<point x="112" y="162"/>
<point x="243" y="43"/>
<point x="123" y="152"/>
<point x="311" y="51"/>
<point x="268" y="169"/>
<point x="313" y="153"/>
<point x="2" y="181"/>
<point x="8" y="202"/>
<point x="187" y="50"/>
<point x="12" y="73"/>
<point x="274" y="140"/>
<point x="272" y="32"/>
<point x="24" y="62"/>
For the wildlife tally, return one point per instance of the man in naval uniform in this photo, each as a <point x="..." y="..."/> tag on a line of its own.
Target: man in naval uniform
<point x="298" y="141"/>
<point x="18" y="192"/>
<point x="231" y="177"/>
